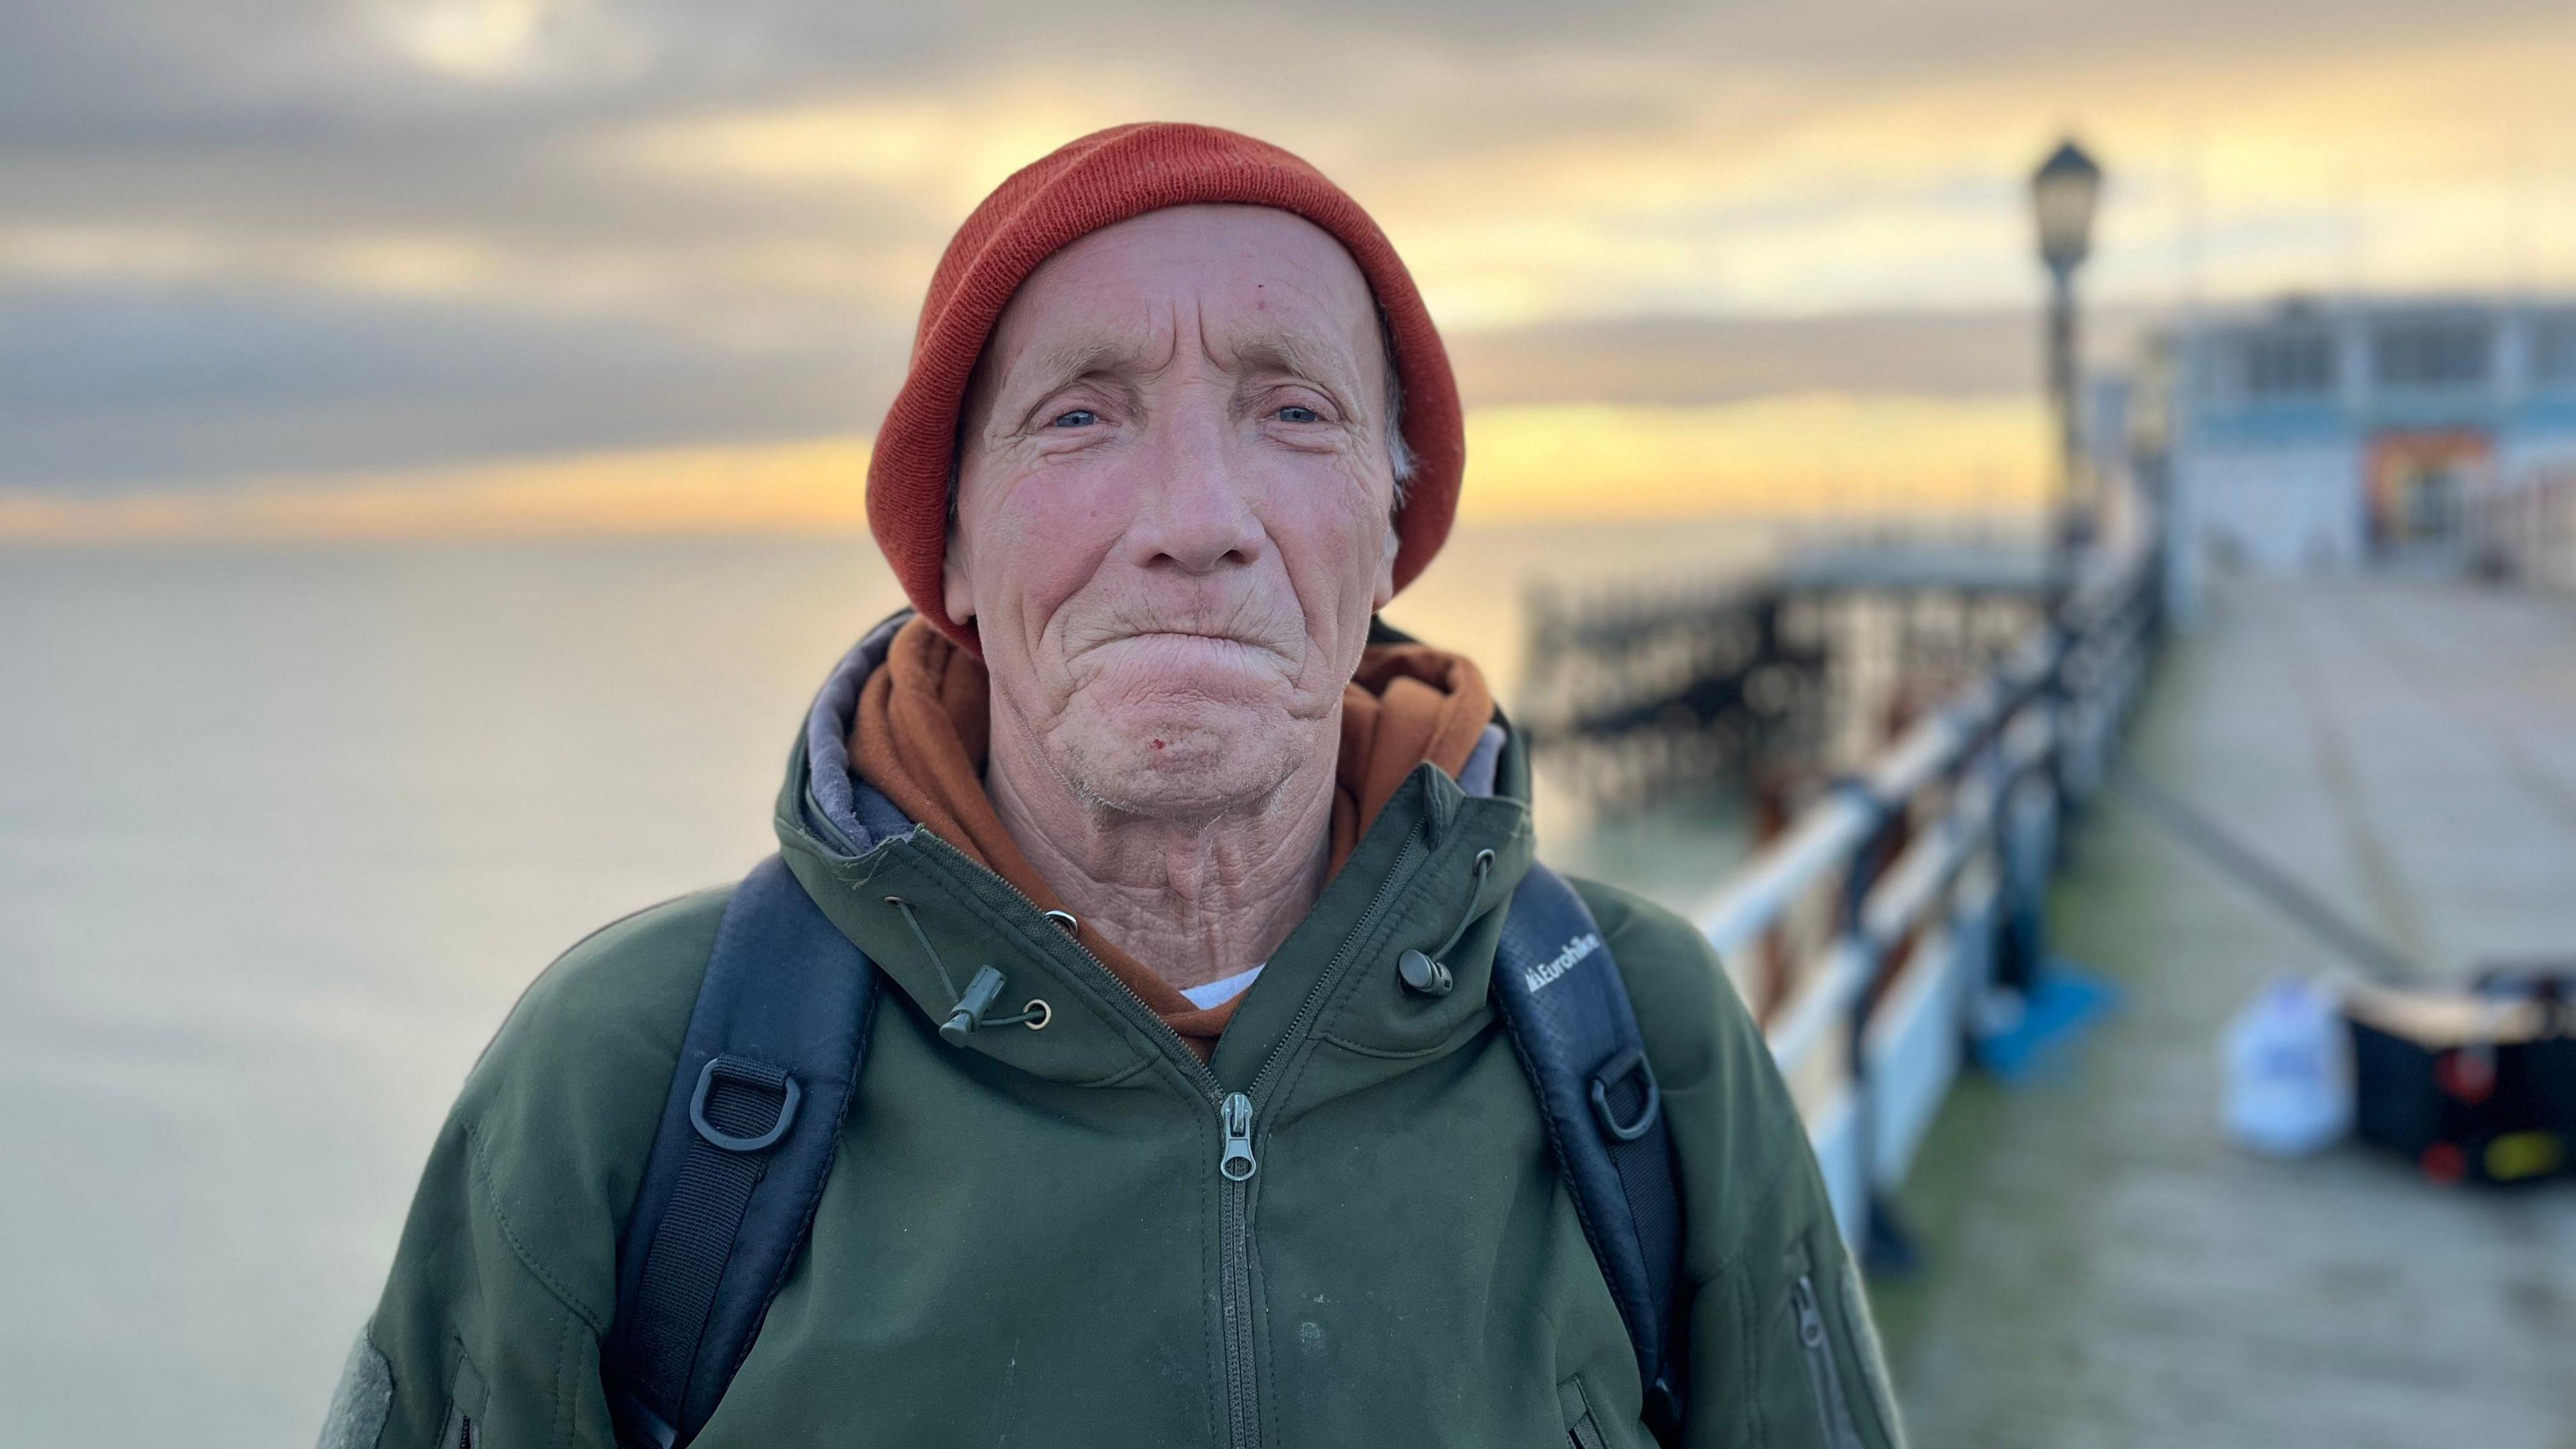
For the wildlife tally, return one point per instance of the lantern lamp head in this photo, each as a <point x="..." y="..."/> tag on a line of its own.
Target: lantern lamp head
<point x="2063" y="192"/>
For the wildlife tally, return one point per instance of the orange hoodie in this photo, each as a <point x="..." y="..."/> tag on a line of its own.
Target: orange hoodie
<point x="923" y="728"/>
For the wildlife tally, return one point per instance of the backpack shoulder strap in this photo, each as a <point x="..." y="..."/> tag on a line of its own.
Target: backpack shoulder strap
<point x="766" y="1070"/>
<point x="1567" y="1010"/>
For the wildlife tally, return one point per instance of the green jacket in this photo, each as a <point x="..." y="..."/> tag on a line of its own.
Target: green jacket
<point x="1025" y="1241"/>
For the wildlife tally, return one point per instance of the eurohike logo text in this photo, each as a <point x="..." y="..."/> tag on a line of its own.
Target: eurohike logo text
<point x="1541" y="976"/>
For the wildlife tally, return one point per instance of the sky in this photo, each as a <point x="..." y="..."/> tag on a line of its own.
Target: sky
<point x="404" y="266"/>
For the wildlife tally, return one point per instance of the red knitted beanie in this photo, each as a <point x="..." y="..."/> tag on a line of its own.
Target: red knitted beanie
<point x="1098" y="181"/>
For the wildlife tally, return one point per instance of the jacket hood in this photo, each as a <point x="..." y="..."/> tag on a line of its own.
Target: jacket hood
<point x="930" y="916"/>
<point x="855" y="815"/>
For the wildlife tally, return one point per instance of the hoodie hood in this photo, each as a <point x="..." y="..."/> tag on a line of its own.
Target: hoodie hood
<point x="857" y="816"/>
<point x="922" y="737"/>
<point x="843" y="835"/>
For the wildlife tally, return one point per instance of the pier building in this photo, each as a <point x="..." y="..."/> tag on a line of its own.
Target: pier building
<point x="2328" y="436"/>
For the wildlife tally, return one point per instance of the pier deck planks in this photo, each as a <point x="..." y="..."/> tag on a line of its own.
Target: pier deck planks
<point x="2102" y="1268"/>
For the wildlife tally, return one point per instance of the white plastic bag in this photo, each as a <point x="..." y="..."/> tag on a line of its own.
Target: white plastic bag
<point x="2287" y="1058"/>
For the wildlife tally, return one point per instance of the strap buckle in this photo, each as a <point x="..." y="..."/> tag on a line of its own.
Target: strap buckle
<point x="749" y="1074"/>
<point x="1631" y="1062"/>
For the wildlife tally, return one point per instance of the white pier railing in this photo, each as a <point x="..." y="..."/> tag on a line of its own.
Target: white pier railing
<point x="1907" y="900"/>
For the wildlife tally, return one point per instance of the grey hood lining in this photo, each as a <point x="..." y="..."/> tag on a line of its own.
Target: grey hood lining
<point x="1476" y="777"/>
<point x="834" y="795"/>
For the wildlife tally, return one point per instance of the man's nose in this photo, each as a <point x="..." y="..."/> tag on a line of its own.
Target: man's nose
<point x="1193" y="513"/>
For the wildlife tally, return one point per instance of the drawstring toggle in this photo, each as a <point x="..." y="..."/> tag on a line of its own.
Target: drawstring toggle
<point x="982" y="990"/>
<point x="981" y="993"/>
<point x="1426" y="972"/>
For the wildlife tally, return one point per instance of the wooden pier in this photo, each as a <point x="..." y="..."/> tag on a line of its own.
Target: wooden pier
<point x="2100" y="1268"/>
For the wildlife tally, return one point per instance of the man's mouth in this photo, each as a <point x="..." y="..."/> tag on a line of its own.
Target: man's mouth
<point x="1188" y="636"/>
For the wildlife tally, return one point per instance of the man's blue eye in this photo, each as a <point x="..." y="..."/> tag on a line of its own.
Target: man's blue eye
<point x="1077" y="418"/>
<point x="1295" y="414"/>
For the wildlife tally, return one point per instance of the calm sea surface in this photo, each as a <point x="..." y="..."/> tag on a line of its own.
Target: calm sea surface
<point x="284" y="829"/>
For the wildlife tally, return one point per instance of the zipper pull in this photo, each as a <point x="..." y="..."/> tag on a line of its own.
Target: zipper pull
<point x="1811" y="1320"/>
<point x="1235" y="1115"/>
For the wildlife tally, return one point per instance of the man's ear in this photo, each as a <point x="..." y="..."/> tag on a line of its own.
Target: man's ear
<point x="1384" y="593"/>
<point x="954" y="592"/>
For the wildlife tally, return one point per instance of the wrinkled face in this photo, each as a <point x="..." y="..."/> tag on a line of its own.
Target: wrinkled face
<point x="1174" y="511"/>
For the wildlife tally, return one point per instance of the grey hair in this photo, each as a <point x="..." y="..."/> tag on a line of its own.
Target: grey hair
<point x="1399" y="454"/>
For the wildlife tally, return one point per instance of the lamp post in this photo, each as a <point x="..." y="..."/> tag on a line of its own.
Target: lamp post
<point x="2062" y="193"/>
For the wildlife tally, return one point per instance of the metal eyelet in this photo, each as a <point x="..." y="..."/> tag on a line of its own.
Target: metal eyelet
<point x="1039" y="1009"/>
<point x="1065" y="922"/>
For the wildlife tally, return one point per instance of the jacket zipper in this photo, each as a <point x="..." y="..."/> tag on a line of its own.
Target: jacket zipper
<point x="1236" y="1163"/>
<point x="1234" y="1249"/>
<point x="1821" y="1371"/>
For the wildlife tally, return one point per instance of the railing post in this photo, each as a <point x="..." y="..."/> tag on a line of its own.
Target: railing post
<point x="1884" y="1245"/>
<point x="2030" y="805"/>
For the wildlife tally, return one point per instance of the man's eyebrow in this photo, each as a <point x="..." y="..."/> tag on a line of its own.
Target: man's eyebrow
<point x="1286" y="352"/>
<point x="1056" y="364"/>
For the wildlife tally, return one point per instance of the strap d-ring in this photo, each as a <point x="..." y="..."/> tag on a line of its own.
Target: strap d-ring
<point x="749" y="1074"/>
<point x="1631" y="1062"/>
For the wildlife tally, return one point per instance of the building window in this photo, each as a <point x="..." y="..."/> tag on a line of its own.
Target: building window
<point x="2430" y="352"/>
<point x="2282" y="366"/>
<point x="2553" y="350"/>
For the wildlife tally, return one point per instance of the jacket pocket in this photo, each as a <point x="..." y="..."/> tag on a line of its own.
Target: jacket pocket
<point x="1582" y="1428"/>
<point x="1816" y="1342"/>
<point x="466" y="1394"/>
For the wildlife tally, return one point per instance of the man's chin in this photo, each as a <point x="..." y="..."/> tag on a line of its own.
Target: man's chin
<point x="1183" y="757"/>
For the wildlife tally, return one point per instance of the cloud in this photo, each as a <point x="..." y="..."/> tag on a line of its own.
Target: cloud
<point x="1689" y="361"/>
<point x="800" y="487"/>
<point x="1804" y="455"/>
<point x="286" y="237"/>
<point x="109" y="392"/>
<point x="223" y="384"/>
<point x="1811" y="455"/>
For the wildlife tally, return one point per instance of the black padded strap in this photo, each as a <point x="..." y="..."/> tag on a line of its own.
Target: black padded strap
<point x="747" y="1138"/>
<point x="744" y="1102"/>
<point x="1568" y="1013"/>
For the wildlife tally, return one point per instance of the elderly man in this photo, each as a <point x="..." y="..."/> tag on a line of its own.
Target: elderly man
<point x="1155" y="1030"/>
